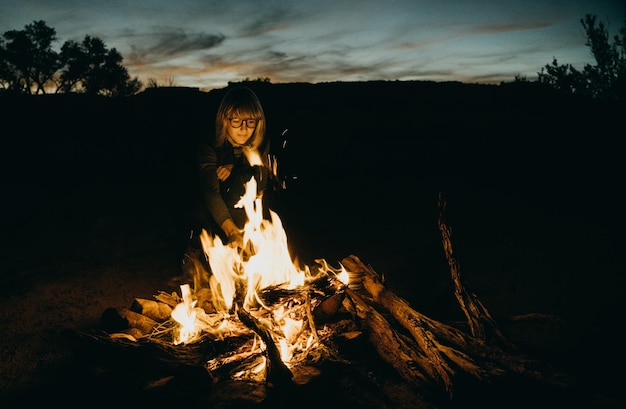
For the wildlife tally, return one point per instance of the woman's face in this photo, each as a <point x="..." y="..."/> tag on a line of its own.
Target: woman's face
<point x="240" y="129"/>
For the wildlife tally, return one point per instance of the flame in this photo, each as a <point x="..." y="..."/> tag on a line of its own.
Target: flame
<point x="343" y="276"/>
<point x="263" y="262"/>
<point x="252" y="155"/>
<point x="185" y="314"/>
<point x="291" y="330"/>
<point x="238" y="274"/>
<point x="193" y="320"/>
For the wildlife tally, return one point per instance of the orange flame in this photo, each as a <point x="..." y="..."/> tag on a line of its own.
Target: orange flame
<point x="264" y="261"/>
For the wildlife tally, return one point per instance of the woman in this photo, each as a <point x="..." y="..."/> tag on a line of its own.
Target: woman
<point x="238" y="151"/>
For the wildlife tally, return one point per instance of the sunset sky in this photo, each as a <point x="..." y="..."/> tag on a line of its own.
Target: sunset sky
<point x="206" y="44"/>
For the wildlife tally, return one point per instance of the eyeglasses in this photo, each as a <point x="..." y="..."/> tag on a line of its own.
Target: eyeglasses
<point x="237" y="122"/>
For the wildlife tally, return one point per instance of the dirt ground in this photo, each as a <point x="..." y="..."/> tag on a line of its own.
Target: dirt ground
<point x="73" y="255"/>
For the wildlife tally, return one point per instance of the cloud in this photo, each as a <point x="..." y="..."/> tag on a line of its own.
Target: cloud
<point x="171" y="43"/>
<point x="208" y="43"/>
<point x="262" y="26"/>
<point x="507" y="28"/>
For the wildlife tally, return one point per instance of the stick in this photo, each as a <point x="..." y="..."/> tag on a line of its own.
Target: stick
<point x="481" y="324"/>
<point x="309" y="315"/>
<point x="279" y="373"/>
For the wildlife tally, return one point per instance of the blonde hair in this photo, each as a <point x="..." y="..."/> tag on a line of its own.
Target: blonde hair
<point x="240" y="102"/>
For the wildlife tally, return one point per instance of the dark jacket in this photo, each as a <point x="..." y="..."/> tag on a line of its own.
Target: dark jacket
<point x="219" y="197"/>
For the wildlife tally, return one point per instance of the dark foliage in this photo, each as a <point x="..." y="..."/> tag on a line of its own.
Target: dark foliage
<point x="29" y="65"/>
<point x="604" y="80"/>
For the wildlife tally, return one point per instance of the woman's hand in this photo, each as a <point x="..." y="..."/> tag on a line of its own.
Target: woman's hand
<point x="234" y="235"/>
<point x="223" y="172"/>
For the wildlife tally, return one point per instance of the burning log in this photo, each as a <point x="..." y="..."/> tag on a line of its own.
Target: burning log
<point x="279" y="373"/>
<point x="233" y="355"/>
<point x="243" y="361"/>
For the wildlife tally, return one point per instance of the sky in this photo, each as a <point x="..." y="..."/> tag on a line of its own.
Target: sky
<point x="206" y="44"/>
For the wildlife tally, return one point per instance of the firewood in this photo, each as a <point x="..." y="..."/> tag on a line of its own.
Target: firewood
<point x="279" y="373"/>
<point x="245" y="363"/>
<point x="481" y="324"/>
<point x="438" y="355"/>
<point x="310" y="319"/>
<point x="390" y="345"/>
<point x="328" y="308"/>
<point x="303" y="374"/>
<point x="156" y="310"/>
<point x="236" y="393"/>
<point x="171" y="299"/>
<point x="130" y="334"/>
<point x="441" y="342"/>
<point x="120" y="319"/>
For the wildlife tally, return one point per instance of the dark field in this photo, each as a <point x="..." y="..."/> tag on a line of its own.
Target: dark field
<point x="96" y="193"/>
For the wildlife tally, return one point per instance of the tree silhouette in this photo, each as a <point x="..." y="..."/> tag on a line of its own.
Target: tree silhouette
<point x="606" y="79"/>
<point x="92" y="69"/>
<point x="28" y="60"/>
<point x="28" y="64"/>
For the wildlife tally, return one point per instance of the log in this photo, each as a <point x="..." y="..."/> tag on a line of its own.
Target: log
<point x="241" y="363"/>
<point x="171" y="299"/>
<point x="437" y="354"/>
<point x="155" y="310"/>
<point x="122" y="319"/>
<point x="442" y="343"/>
<point x="237" y="393"/>
<point x="481" y="324"/>
<point x="390" y="345"/>
<point x="279" y="374"/>
<point x="328" y="308"/>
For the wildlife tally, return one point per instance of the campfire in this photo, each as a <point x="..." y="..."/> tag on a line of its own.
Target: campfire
<point x="257" y="317"/>
<point x="271" y="314"/>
